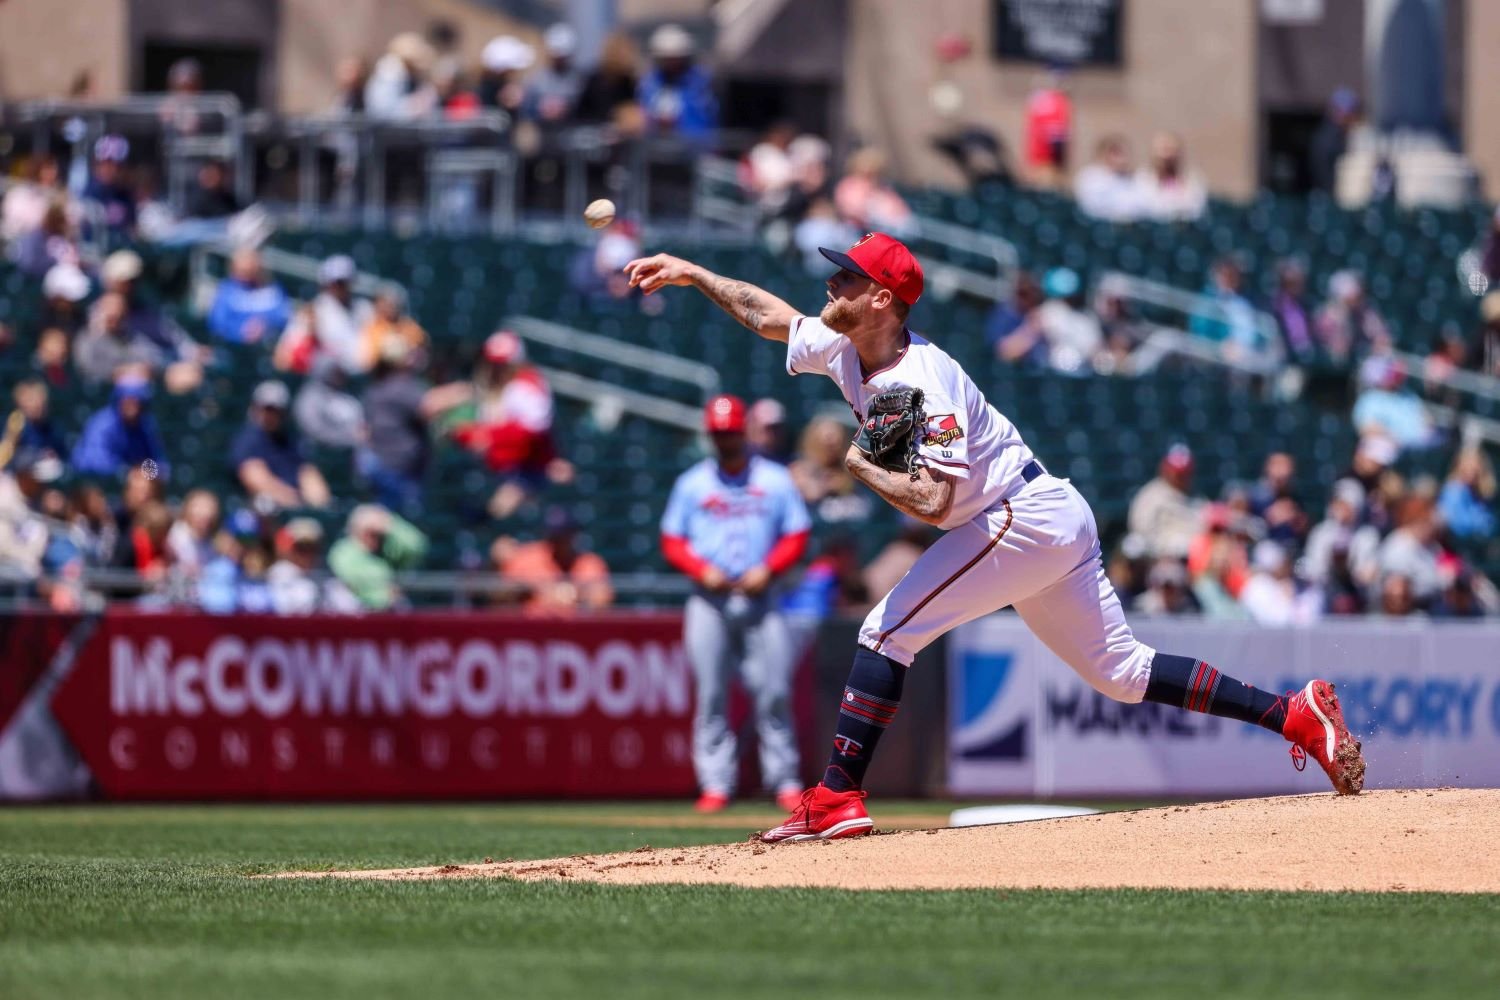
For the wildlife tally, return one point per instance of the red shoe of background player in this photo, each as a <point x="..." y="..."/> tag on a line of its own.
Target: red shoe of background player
<point x="789" y="798"/>
<point x="1315" y="726"/>
<point x="823" y="814"/>
<point x="711" y="802"/>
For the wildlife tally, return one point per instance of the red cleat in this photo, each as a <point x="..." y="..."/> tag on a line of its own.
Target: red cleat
<point x="1315" y="726"/>
<point x="711" y="802"/>
<point x="789" y="798"/>
<point x="823" y="814"/>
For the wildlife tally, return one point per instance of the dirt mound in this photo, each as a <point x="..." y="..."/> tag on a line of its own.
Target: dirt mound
<point x="1418" y="840"/>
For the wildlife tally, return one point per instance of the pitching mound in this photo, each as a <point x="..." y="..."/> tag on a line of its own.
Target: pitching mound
<point x="1411" y="841"/>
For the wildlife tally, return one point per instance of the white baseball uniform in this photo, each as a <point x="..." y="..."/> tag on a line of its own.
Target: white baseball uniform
<point x="1015" y="536"/>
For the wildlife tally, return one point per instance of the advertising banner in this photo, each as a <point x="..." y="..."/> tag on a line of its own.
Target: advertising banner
<point x="199" y="707"/>
<point x="1424" y="699"/>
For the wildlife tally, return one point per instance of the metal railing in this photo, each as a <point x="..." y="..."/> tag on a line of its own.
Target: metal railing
<point x="945" y="277"/>
<point x="1264" y="358"/>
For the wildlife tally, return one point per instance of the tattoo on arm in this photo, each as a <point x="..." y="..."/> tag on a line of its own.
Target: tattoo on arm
<point x="752" y="307"/>
<point x="927" y="498"/>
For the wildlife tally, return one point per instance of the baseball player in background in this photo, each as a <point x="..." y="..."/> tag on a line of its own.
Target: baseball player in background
<point x="1015" y="535"/>
<point x="734" y="524"/>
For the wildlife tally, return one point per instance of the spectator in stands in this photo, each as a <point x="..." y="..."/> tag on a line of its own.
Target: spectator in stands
<point x="512" y="426"/>
<point x="52" y="243"/>
<point x="108" y="346"/>
<point x="294" y="580"/>
<point x="27" y="200"/>
<point x="1167" y="591"/>
<point x="767" y="172"/>
<point x="182" y="356"/>
<point x="191" y="538"/>
<point x="1289" y="306"/>
<point x="1449" y="355"/>
<point x="766" y="431"/>
<point x="324" y="413"/>
<point x="92" y="527"/>
<point x="1340" y="550"/>
<point x="1369" y="467"/>
<point x="1164" y="513"/>
<point x="248" y="305"/>
<point x="503" y="60"/>
<point x="820" y="226"/>
<point x="122" y="435"/>
<point x="1467" y="500"/>
<point x="1331" y="139"/>
<point x="1347" y="325"/>
<point x="376" y="545"/>
<point x="335" y="325"/>
<point x="398" y="87"/>
<point x="677" y="94"/>
<point x="388" y="319"/>
<point x="1490" y="262"/>
<point x="1049" y="129"/>
<point x="1489" y="333"/>
<point x="1013" y="329"/>
<point x="1170" y="190"/>
<point x="107" y="196"/>
<point x="152" y="557"/>
<point x="23" y="532"/>
<point x="898" y="556"/>
<point x="1273" y="499"/>
<point x="1458" y="598"/>
<point x="211" y="196"/>
<point x="865" y="198"/>
<point x="832" y="582"/>
<point x="597" y="272"/>
<point x="825" y="482"/>
<point x="1397" y="599"/>
<point x="394" y="457"/>
<point x="1218" y="561"/>
<point x="1106" y="187"/>
<point x="552" y="91"/>
<point x="1232" y="323"/>
<point x="350" y="78"/>
<point x="29" y="428"/>
<point x="1386" y="406"/>
<point x="234" y="580"/>
<point x="608" y="96"/>
<point x="63" y="291"/>
<point x="1411" y="551"/>
<point x="1123" y="331"/>
<point x="1072" y="335"/>
<point x="267" y="458"/>
<point x="1273" y="596"/>
<point x="555" y="576"/>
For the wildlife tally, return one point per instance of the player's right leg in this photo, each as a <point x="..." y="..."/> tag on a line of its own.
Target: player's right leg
<point x="707" y="641"/>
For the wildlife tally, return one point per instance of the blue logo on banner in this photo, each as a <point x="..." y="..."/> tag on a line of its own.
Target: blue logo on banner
<point x="984" y="734"/>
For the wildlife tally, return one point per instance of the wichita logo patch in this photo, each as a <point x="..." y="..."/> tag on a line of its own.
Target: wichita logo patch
<point x="942" y="430"/>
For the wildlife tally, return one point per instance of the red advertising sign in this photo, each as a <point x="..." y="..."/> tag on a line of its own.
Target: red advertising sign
<point x="195" y="706"/>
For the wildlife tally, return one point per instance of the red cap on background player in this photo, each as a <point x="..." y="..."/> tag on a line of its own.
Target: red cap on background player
<point x="724" y="415"/>
<point x="885" y="261"/>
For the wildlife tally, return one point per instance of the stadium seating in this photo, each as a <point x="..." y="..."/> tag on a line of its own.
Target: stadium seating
<point x="1104" y="433"/>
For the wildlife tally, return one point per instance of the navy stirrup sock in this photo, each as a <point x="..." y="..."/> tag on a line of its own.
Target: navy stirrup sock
<point x="870" y="701"/>
<point x="1198" y="687"/>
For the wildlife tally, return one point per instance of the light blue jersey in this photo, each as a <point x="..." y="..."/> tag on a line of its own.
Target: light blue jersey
<point x="733" y="521"/>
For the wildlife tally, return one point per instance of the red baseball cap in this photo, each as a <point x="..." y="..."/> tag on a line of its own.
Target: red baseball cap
<point x="884" y="260"/>
<point x="504" y="348"/>
<point x="724" y="415"/>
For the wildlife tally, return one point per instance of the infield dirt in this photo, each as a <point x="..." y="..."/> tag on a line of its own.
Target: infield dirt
<point x="1440" y="840"/>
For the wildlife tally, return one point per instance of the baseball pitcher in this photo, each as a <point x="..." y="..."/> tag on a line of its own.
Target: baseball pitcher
<point x="933" y="447"/>
<point x="734" y="524"/>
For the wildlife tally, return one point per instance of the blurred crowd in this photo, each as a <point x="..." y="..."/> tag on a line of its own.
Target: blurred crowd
<point x="1387" y="544"/>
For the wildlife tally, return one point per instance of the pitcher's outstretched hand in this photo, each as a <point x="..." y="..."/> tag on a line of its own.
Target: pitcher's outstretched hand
<point x="650" y="273"/>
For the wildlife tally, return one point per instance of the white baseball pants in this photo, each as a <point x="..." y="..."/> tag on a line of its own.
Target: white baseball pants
<point x="1038" y="552"/>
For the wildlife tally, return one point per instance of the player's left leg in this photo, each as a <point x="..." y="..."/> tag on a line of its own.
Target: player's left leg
<point x="1080" y="619"/>
<point x="770" y="656"/>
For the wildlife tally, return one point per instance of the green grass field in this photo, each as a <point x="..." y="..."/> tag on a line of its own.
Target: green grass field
<point x="154" y="902"/>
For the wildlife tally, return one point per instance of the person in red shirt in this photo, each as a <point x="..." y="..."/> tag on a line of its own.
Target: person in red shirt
<point x="1049" y="125"/>
<point x="511" y="429"/>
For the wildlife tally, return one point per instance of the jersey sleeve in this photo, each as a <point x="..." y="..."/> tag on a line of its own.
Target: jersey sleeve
<point x="943" y="439"/>
<point x="674" y="520"/>
<point x="810" y="347"/>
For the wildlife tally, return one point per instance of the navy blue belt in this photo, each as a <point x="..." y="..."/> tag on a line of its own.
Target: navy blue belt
<point x="1032" y="470"/>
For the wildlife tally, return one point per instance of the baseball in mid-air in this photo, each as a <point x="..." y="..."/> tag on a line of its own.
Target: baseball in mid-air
<point x="600" y="213"/>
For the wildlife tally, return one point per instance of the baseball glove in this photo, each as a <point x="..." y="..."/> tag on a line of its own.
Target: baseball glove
<point x="891" y="428"/>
